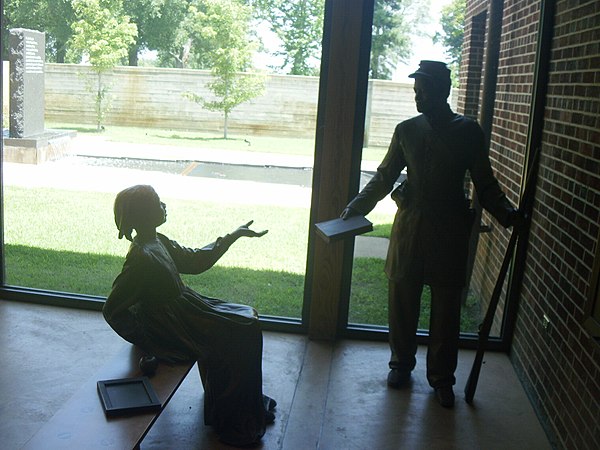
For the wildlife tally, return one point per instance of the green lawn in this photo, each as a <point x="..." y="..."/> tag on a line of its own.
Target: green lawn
<point x="250" y="143"/>
<point x="54" y="242"/>
<point x="67" y="241"/>
<point x="368" y="299"/>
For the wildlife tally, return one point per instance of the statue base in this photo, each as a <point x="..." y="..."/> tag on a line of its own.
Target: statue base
<point x="47" y="146"/>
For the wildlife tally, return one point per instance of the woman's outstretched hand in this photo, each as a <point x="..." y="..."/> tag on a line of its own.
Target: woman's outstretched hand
<point x="245" y="231"/>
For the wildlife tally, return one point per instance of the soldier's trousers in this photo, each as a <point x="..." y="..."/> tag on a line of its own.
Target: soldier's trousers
<point x="444" y="328"/>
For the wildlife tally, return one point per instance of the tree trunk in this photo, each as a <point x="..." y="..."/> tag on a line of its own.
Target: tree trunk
<point x="133" y="55"/>
<point x="99" y="103"/>
<point x="61" y="51"/>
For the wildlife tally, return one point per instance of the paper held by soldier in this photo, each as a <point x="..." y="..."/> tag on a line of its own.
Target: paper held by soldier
<point x="336" y="229"/>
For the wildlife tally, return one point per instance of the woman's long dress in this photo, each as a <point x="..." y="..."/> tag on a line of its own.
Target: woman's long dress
<point x="150" y="306"/>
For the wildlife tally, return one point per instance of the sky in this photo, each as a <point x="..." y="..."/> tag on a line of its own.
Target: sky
<point x="423" y="47"/>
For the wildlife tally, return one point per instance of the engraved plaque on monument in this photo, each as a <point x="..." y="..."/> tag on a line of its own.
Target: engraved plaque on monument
<point x="27" y="57"/>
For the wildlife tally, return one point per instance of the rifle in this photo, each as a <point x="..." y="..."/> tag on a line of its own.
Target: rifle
<point x="486" y="325"/>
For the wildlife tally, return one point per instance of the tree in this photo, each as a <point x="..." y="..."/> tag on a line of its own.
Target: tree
<point x="54" y="17"/>
<point x="220" y="30"/>
<point x="165" y="34"/>
<point x="102" y="33"/>
<point x="299" y="26"/>
<point x="141" y="12"/>
<point x="394" y="22"/>
<point x="452" y="34"/>
<point x="159" y="28"/>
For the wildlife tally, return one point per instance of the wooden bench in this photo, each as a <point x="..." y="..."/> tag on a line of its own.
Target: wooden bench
<point x="81" y="422"/>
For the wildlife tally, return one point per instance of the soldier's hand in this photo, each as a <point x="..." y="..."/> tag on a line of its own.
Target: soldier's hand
<point x="518" y="220"/>
<point x="349" y="212"/>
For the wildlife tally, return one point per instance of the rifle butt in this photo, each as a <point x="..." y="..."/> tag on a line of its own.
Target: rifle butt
<point x="471" y="385"/>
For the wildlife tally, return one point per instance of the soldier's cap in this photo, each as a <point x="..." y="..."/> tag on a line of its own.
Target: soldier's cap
<point x="432" y="70"/>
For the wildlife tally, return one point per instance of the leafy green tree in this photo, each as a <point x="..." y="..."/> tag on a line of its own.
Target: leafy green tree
<point x="220" y="31"/>
<point x="299" y="26"/>
<point x="54" y="17"/>
<point x="159" y="24"/>
<point x="165" y="34"/>
<point x="452" y="34"/>
<point x="141" y="12"/>
<point x="394" y="22"/>
<point x="103" y="34"/>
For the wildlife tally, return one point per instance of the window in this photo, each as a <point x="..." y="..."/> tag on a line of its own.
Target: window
<point x="389" y="102"/>
<point x="214" y="171"/>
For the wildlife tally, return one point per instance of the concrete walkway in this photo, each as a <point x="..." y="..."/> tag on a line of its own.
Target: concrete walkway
<point x="370" y="247"/>
<point x="98" y="146"/>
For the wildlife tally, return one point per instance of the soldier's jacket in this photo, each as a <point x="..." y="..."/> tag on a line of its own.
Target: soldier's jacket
<point x="433" y="222"/>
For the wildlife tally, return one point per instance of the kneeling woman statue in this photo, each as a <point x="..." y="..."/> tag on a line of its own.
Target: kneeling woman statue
<point x="150" y="306"/>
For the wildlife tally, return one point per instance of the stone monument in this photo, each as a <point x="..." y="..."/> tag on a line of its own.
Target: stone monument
<point x="26" y="82"/>
<point x="28" y="140"/>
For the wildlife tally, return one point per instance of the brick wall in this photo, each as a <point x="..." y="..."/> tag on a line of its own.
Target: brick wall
<point x="558" y="364"/>
<point x="471" y="70"/>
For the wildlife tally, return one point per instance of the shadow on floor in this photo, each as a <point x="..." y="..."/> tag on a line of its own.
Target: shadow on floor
<point x="330" y="395"/>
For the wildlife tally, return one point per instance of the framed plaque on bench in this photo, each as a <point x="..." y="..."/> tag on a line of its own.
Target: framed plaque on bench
<point x="128" y="396"/>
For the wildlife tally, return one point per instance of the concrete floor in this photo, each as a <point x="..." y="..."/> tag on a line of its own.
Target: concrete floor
<point x="331" y="396"/>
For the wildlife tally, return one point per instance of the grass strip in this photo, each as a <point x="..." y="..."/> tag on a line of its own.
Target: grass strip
<point x="192" y="138"/>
